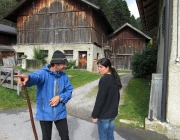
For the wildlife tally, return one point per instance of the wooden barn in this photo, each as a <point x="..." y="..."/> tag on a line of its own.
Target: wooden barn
<point x="124" y="42"/>
<point x="76" y="27"/>
<point x="8" y="37"/>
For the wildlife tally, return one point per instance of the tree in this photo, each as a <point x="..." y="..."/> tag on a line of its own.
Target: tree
<point x="116" y="11"/>
<point x="134" y="22"/>
<point x="5" y="6"/>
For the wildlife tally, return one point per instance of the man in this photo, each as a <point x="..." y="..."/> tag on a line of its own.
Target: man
<point x="54" y="90"/>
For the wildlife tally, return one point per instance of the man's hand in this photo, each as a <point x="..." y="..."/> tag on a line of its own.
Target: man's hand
<point x="54" y="101"/>
<point x="22" y="79"/>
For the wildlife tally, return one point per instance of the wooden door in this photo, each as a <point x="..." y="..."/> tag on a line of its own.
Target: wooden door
<point x="83" y="60"/>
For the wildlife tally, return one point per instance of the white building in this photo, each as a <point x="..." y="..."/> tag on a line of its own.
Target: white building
<point x="165" y="15"/>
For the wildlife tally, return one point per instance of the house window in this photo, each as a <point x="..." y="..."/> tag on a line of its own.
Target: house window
<point x="69" y="54"/>
<point x="19" y="57"/>
<point x="45" y="53"/>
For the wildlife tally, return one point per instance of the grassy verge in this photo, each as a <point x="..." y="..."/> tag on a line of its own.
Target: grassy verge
<point x="136" y="101"/>
<point x="9" y="98"/>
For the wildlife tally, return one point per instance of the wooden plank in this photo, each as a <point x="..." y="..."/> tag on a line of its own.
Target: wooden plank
<point x="18" y="85"/>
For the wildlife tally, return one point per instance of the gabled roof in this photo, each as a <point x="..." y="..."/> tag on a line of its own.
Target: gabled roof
<point x="135" y="29"/>
<point x="13" y="13"/>
<point x="149" y="13"/>
<point x="7" y="29"/>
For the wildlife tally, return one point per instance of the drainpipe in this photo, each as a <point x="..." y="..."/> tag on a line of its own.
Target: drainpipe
<point x="165" y="63"/>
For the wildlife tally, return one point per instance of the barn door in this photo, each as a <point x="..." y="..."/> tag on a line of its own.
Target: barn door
<point x="83" y="60"/>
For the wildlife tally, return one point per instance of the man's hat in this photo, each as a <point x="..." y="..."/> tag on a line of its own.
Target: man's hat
<point x="58" y="58"/>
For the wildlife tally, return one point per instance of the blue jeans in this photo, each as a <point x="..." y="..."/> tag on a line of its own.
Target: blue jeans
<point x="106" y="129"/>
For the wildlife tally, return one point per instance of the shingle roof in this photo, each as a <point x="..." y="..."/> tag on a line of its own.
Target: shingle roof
<point x="8" y="29"/>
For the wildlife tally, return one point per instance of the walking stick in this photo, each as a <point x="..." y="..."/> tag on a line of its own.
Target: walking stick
<point x="30" y="112"/>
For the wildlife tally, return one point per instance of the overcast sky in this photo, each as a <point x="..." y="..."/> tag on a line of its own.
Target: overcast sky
<point x="133" y="7"/>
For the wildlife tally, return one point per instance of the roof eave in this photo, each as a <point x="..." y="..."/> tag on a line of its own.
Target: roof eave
<point x="148" y="9"/>
<point x="11" y="15"/>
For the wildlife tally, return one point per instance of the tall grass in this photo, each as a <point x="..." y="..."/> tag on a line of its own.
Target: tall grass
<point x="136" y="102"/>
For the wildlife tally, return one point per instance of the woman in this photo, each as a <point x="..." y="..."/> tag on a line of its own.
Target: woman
<point x="107" y="100"/>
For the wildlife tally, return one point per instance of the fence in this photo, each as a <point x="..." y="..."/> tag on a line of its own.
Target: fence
<point x="8" y="80"/>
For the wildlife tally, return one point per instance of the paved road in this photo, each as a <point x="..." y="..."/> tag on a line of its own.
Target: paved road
<point x="16" y="125"/>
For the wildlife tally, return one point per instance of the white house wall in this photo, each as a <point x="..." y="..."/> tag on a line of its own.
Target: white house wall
<point x="173" y="103"/>
<point x="91" y="49"/>
<point x="171" y="128"/>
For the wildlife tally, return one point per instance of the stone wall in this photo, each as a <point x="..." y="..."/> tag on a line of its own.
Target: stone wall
<point x="31" y="65"/>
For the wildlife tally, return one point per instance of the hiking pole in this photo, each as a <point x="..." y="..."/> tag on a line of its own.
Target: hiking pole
<point x="30" y="112"/>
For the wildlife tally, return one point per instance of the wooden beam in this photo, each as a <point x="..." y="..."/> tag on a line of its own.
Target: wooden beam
<point x="8" y="73"/>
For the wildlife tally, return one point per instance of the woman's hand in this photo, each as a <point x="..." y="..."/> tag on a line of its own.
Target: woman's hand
<point x="94" y="120"/>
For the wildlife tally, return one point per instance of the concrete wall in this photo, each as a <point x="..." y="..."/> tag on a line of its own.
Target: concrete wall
<point x="91" y="49"/>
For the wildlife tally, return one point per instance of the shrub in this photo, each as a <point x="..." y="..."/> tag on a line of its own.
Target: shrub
<point x="39" y="54"/>
<point x="71" y="64"/>
<point x="143" y="64"/>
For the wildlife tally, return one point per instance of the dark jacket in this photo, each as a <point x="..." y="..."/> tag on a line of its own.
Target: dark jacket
<point x="107" y="100"/>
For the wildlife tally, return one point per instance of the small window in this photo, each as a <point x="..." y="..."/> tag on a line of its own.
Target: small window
<point x="69" y="54"/>
<point x="20" y="54"/>
<point x="45" y="53"/>
<point x="19" y="57"/>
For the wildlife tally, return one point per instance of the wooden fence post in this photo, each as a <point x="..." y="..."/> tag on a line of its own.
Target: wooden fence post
<point x="18" y="85"/>
<point x="6" y="75"/>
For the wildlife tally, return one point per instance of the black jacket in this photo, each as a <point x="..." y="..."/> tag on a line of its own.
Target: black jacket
<point x="107" y="100"/>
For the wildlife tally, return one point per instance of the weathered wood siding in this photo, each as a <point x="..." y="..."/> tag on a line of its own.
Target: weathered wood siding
<point x="5" y="54"/>
<point x="124" y="44"/>
<point x="59" y="21"/>
<point x="7" y="39"/>
<point x="128" y="41"/>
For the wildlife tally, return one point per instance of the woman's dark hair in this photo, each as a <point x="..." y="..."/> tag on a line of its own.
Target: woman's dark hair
<point x="107" y="63"/>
